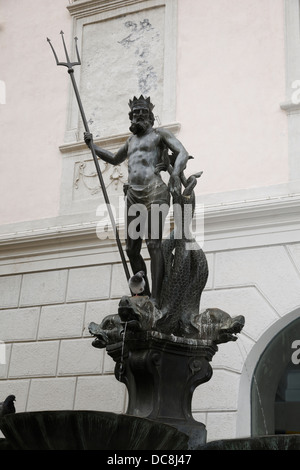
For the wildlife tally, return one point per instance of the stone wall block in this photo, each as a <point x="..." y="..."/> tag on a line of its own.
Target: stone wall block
<point x="103" y="393"/>
<point x="61" y="321"/>
<point x="5" y="353"/>
<point x="270" y="268"/>
<point x="221" y="426"/>
<point x="10" y="291"/>
<point x="119" y="284"/>
<point x="51" y="394"/>
<point x="33" y="359"/>
<point x="43" y="288"/>
<point x="89" y="283"/>
<point x="294" y="251"/>
<point x="19" y="324"/>
<point x="219" y="393"/>
<point x="78" y="356"/>
<point x="229" y="356"/>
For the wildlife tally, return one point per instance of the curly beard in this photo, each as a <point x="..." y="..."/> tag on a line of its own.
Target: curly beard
<point x="139" y="127"/>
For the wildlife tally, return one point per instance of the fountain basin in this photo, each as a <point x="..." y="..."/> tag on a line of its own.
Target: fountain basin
<point x="271" y="442"/>
<point x="87" y="430"/>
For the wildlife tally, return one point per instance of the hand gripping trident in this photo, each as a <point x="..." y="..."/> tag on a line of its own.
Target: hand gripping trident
<point x="70" y="66"/>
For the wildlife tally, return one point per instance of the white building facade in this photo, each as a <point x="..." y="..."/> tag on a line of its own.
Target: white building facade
<point x="225" y="78"/>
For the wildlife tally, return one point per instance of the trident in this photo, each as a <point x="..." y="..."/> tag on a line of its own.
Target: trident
<point x="70" y="66"/>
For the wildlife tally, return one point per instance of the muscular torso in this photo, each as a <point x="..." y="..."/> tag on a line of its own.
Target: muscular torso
<point x="144" y="153"/>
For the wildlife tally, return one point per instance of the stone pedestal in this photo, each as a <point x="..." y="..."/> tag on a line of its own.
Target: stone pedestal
<point x="162" y="362"/>
<point x="161" y="374"/>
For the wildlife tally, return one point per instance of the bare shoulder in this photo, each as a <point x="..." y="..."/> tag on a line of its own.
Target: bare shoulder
<point x="164" y="133"/>
<point x="169" y="139"/>
<point x="127" y="142"/>
<point x="124" y="147"/>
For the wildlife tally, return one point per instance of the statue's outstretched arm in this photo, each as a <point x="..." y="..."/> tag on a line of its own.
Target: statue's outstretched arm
<point x="106" y="155"/>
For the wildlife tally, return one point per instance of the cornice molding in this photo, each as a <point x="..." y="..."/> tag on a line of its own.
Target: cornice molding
<point x="290" y="108"/>
<point x="272" y="218"/>
<point x="111" y="142"/>
<point x="274" y="206"/>
<point x="83" y="8"/>
<point x="257" y="223"/>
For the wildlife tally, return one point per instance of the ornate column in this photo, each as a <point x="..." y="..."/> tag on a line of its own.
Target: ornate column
<point x="161" y="376"/>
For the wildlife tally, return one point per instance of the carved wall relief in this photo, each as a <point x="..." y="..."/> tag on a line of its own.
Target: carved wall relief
<point x="122" y="57"/>
<point x="86" y="182"/>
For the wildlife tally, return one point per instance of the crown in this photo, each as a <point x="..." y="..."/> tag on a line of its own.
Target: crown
<point x="140" y="102"/>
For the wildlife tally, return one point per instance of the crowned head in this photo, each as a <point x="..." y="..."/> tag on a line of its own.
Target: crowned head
<point x="138" y="105"/>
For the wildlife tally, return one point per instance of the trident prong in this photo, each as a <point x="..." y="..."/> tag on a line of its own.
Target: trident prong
<point x="68" y="64"/>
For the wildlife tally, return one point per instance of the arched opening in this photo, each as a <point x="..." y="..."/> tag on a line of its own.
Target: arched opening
<point x="275" y="388"/>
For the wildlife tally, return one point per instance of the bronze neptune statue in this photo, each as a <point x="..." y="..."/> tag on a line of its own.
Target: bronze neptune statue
<point x="146" y="151"/>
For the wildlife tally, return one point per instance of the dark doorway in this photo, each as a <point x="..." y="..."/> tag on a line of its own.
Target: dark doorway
<point x="275" y="391"/>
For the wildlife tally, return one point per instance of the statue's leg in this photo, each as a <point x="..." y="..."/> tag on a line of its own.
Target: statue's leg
<point x="133" y="250"/>
<point x="157" y="268"/>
